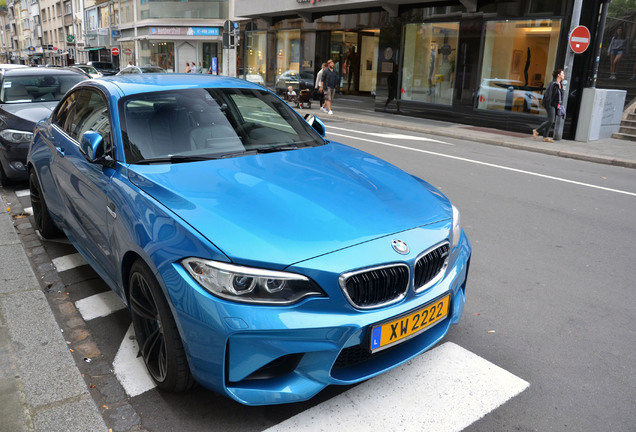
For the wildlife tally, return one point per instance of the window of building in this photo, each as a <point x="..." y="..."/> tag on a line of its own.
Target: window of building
<point x="256" y="53"/>
<point x="430" y="51"/>
<point x="157" y="53"/>
<point x="193" y="9"/>
<point x="517" y="64"/>
<point x="287" y="51"/>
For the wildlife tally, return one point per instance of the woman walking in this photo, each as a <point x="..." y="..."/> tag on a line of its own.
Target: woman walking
<point x="552" y="98"/>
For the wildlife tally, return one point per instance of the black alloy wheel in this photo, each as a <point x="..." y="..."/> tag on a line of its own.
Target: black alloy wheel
<point x="43" y="221"/>
<point x="156" y="331"/>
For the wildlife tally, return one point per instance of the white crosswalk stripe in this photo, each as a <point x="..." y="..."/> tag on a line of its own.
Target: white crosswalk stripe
<point x="22" y="193"/>
<point x="443" y="390"/>
<point x="99" y="305"/>
<point x="69" y="262"/>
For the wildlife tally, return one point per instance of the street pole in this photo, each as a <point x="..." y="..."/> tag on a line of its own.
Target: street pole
<point x="567" y="68"/>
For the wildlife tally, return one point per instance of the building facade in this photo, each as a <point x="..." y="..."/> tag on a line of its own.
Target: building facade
<point x="483" y="62"/>
<point x="162" y="33"/>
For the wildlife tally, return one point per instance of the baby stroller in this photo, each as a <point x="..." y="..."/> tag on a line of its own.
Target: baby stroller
<point x="304" y="99"/>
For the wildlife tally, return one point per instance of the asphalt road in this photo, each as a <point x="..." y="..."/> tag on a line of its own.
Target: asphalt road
<point x="549" y="301"/>
<point x="550" y="295"/>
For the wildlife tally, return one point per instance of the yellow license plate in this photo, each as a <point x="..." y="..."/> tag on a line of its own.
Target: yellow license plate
<point x="400" y="329"/>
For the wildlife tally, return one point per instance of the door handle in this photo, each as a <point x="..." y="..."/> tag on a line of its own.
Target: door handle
<point x="112" y="210"/>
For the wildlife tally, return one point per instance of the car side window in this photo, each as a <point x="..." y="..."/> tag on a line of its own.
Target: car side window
<point x="64" y="109"/>
<point x="91" y="114"/>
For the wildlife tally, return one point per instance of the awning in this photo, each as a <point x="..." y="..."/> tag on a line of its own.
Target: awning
<point x="92" y="48"/>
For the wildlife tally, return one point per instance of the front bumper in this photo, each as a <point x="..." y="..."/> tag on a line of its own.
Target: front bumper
<point x="261" y="355"/>
<point x="13" y="159"/>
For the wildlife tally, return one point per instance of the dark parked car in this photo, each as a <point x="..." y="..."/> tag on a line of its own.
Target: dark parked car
<point x="298" y="81"/>
<point x="106" y="68"/>
<point x="27" y="95"/>
<point x="256" y="257"/>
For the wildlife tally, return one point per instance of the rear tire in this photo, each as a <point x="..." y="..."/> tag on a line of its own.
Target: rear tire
<point x="157" y="335"/>
<point x="43" y="221"/>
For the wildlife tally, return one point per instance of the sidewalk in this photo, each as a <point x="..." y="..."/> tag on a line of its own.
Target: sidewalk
<point x="41" y="388"/>
<point x="361" y="109"/>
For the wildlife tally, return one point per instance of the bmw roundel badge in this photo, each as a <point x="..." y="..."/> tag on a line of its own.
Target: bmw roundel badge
<point x="400" y="247"/>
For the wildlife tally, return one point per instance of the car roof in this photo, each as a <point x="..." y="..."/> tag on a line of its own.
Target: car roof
<point x="131" y="84"/>
<point x="39" y="72"/>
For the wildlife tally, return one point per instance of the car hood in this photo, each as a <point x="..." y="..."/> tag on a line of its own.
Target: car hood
<point x="31" y="112"/>
<point x="281" y="208"/>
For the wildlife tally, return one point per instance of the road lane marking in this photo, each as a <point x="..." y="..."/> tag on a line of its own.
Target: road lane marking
<point x="490" y="165"/>
<point x="131" y="370"/>
<point x="29" y="211"/>
<point x="69" y="262"/>
<point x="99" y="305"/>
<point x="445" y="389"/>
<point x="390" y="135"/>
<point x="22" y="193"/>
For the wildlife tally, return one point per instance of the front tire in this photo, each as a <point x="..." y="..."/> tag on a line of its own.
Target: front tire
<point x="159" y="342"/>
<point x="43" y="221"/>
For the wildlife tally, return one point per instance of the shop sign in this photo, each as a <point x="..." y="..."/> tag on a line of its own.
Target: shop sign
<point x="185" y="31"/>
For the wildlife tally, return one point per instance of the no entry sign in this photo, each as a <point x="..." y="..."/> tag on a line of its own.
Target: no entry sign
<point x="579" y="39"/>
<point x="114" y="51"/>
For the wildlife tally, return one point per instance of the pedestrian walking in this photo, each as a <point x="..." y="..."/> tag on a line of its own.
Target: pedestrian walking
<point x="187" y="68"/>
<point x="199" y="68"/>
<point x="552" y="100"/>
<point x="616" y="50"/>
<point x="317" y="85"/>
<point x="328" y="85"/>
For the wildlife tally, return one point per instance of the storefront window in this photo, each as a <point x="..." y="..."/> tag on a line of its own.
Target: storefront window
<point x="157" y="54"/>
<point x="287" y="51"/>
<point x="126" y="53"/>
<point x="256" y="53"/>
<point x="126" y="11"/>
<point x="194" y="9"/>
<point x="430" y="51"/>
<point x="517" y="65"/>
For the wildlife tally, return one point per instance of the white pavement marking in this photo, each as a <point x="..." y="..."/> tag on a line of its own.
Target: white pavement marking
<point x="68" y="262"/>
<point x="443" y="390"/>
<point x="99" y="305"/>
<point x="392" y="136"/>
<point x="29" y="211"/>
<point x="131" y="370"/>
<point x="22" y="193"/>
<point x="491" y="165"/>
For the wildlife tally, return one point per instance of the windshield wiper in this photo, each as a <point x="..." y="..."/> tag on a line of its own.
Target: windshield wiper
<point x="274" y="149"/>
<point x="172" y="159"/>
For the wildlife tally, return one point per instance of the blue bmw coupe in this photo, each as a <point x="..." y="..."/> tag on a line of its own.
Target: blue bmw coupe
<point x="257" y="258"/>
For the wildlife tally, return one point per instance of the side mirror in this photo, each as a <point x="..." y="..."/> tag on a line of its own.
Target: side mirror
<point x="92" y="145"/>
<point x="316" y="123"/>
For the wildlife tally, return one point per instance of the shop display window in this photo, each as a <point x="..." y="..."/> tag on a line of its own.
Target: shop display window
<point x="287" y="52"/>
<point x="255" y="55"/>
<point x="428" y="73"/>
<point x="518" y="60"/>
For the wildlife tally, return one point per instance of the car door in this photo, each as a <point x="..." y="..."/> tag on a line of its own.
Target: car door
<point x="83" y="185"/>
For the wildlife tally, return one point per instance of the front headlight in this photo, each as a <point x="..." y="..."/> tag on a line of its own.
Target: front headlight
<point x="250" y="285"/>
<point x="16" y="136"/>
<point x="457" y="228"/>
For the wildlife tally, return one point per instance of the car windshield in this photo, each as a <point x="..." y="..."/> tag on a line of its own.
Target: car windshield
<point x="103" y="65"/>
<point x="151" y="69"/>
<point x="194" y="124"/>
<point x="20" y="89"/>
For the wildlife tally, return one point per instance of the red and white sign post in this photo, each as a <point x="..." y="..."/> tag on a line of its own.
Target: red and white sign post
<point x="579" y="39"/>
<point x="114" y="51"/>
